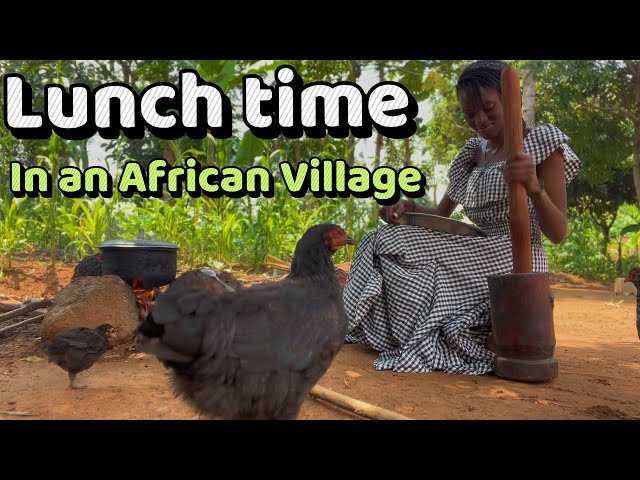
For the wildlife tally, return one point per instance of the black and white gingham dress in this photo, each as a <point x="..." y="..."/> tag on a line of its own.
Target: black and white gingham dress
<point x="420" y="297"/>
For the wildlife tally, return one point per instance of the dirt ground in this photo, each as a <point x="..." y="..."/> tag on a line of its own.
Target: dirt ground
<point x="596" y="345"/>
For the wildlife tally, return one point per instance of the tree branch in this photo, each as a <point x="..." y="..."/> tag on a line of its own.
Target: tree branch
<point x="618" y="111"/>
<point x="634" y="69"/>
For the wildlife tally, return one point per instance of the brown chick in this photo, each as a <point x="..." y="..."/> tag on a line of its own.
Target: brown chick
<point x="77" y="349"/>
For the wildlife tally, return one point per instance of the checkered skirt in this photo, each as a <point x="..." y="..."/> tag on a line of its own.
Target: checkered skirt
<point x="420" y="297"/>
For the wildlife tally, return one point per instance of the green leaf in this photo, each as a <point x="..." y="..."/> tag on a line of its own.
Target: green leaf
<point x="251" y="148"/>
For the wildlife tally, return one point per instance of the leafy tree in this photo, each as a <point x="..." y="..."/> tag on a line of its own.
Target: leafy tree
<point x="601" y="201"/>
<point x="597" y="103"/>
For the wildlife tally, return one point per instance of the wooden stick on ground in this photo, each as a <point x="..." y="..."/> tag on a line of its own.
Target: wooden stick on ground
<point x="3" y="309"/>
<point x="7" y="307"/>
<point x="275" y="266"/>
<point x="19" y="414"/>
<point x="361" y="408"/>
<point x="277" y="261"/>
<point x="24" y="322"/>
<point x="25" y="309"/>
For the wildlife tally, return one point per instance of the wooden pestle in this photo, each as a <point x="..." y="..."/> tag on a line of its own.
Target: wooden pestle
<point x="519" y="225"/>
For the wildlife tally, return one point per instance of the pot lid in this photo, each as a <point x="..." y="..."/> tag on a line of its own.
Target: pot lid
<point x="142" y="244"/>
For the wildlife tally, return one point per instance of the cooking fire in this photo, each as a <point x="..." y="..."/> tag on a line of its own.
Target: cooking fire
<point x="144" y="297"/>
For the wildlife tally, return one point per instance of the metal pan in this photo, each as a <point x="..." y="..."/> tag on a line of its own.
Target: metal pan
<point x="441" y="224"/>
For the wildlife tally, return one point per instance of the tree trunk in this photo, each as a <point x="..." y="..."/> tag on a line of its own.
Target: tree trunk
<point x="169" y="154"/>
<point x="85" y="154"/>
<point x="529" y="97"/>
<point x="605" y="242"/>
<point x="606" y="238"/>
<point x="297" y="146"/>
<point x="619" y="266"/>
<point x="126" y="71"/>
<point x="376" y="163"/>
<point x="407" y="152"/>
<point x="354" y="75"/>
<point x="378" y="153"/>
<point x="351" y="150"/>
<point x="212" y="159"/>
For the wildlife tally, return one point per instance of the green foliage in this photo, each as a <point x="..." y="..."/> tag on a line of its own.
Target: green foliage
<point x="13" y="226"/>
<point x="586" y="99"/>
<point x="600" y="202"/>
<point x="581" y="252"/>
<point x="446" y="132"/>
<point x="84" y="225"/>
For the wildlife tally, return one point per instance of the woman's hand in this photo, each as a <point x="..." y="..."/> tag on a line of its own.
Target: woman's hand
<point x="521" y="169"/>
<point x="392" y="213"/>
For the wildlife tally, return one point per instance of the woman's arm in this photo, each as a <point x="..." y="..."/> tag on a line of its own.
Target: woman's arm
<point x="392" y="213"/>
<point x="444" y="208"/>
<point x="545" y="185"/>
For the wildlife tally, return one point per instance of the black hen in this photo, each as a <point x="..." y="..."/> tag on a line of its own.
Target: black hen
<point x="257" y="352"/>
<point x="205" y="279"/>
<point x="224" y="277"/>
<point x="634" y="277"/>
<point x="90" y="266"/>
<point x="77" y="349"/>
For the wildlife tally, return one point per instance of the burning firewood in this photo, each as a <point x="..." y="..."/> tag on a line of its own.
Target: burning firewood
<point x="144" y="297"/>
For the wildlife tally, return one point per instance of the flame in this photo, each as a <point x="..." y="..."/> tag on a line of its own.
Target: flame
<point x="145" y="297"/>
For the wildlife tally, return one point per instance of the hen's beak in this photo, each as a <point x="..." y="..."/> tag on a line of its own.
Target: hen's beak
<point x="349" y="241"/>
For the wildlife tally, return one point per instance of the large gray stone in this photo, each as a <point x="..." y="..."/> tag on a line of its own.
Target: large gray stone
<point x="92" y="301"/>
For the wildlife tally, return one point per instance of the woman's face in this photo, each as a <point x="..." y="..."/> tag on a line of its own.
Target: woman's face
<point x="483" y="114"/>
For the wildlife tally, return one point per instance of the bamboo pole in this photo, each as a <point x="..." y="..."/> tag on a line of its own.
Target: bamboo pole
<point x="359" y="407"/>
<point x="19" y="414"/>
<point x="519" y="225"/>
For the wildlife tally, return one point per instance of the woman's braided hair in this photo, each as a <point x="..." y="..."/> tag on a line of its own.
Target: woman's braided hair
<point x="483" y="73"/>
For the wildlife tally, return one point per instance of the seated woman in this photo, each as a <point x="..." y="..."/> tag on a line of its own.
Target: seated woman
<point x="420" y="297"/>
